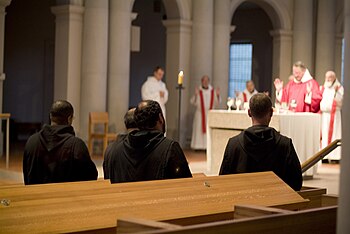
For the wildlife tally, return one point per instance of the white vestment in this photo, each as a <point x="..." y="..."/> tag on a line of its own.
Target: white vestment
<point x="245" y="96"/>
<point x="199" y="138"/>
<point x="151" y="91"/>
<point x="329" y="94"/>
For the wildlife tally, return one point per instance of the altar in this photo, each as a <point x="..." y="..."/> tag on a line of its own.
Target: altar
<point x="303" y="128"/>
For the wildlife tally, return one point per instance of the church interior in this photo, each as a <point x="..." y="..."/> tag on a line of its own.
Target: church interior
<point x="99" y="54"/>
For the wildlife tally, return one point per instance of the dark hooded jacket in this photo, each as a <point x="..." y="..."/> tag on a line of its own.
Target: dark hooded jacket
<point x="261" y="148"/>
<point x="55" y="155"/>
<point x="145" y="155"/>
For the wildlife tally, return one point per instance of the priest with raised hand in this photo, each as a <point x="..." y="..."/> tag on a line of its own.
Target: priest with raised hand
<point x="205" y="99"/>
<point x="302" y="94"/>
<point x="331" y="104"/>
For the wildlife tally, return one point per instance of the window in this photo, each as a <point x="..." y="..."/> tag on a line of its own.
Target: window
<point x="342" y="61"/>
<point x="241" y="57"/>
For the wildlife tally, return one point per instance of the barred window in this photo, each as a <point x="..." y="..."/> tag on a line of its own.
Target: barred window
<point x="241" y="57"/>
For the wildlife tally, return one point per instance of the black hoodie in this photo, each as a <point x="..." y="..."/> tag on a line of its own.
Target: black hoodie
<point x="261" y="148"/>
<point x="145" y="155"/>
<point x="55" y="155"/>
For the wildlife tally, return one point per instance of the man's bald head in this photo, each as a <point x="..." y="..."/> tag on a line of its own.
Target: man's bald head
<point x="260" y="109"/>
<point x="61" y="113"/>
<point x="330" y="76"/>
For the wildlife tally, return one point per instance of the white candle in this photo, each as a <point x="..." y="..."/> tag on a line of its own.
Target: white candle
<point x="180" y="78"/>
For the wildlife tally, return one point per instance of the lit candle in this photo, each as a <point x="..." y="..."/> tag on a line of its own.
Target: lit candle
<point x="180" y="78"/>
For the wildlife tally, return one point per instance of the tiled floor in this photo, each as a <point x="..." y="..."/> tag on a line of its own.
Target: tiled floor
<point x="327" y="176"/>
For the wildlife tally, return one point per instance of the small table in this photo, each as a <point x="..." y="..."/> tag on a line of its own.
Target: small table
<point x="7" y="117"/>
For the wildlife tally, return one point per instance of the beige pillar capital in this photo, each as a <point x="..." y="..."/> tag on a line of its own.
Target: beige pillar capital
<point x="177" y="26"/>
<point x="63" y="11"/>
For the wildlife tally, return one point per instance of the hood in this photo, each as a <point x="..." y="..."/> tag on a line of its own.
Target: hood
<point x="139" y="144"/>
<point x="306" y="77"/>
<point x="54" y="136"/>
<point x="258" y="141"/>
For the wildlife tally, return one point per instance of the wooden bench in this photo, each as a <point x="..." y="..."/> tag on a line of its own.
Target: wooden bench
<point x="95" y="206"/>
<point x="248" y="219"/>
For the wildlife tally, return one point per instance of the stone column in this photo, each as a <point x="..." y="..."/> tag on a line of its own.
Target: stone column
<point x="67" y="81"/>
<point x="119" y="62"/>
<point x="221" y="52"/>
<point x="94" y="61"/>
<point x="302" y="33"/>
<point x="202" y="41"/>
<point x="325" y="36"/>
<point x="282" y="55"/>
<point x="343" y="225"/>
<point x="178" y="48"/>
<point x="338" y="54"/>
<point x="3" y="5"/>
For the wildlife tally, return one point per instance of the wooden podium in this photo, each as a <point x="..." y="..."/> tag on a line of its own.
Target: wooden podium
<point x="96" y="205"/>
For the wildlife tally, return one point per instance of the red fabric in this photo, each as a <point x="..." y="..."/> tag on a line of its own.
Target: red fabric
<point x="204" y="127"/>
<point x="204" y="123"/>
<point x="211" y="99"/>
<point x="244" y="97"/>
<point x="297" y="91"/>
<point x="331" y="122"/>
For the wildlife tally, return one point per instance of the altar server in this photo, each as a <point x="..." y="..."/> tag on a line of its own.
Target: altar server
<point x="331" y="105"/>
<point x="205" y="99"/>
<point x="154" y="89"/>
<point x="302" y="94"/>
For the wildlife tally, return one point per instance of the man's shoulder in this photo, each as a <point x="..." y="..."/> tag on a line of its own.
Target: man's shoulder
<point x="233" y="141"/>
<point x="33" y="140"/>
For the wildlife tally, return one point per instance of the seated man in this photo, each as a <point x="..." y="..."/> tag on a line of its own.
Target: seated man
<point x="145" y="154"/>
<point x="130" y="125"/>
<point x="261" y="148"/>
<point x="54" y="154"/>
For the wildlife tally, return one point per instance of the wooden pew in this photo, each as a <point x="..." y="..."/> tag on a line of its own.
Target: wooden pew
<point x="262" y="220"/>
<point x="95" y="206"/>
<point x="318" y="197"/>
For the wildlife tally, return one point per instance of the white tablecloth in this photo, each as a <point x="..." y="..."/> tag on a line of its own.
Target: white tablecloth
<point x="303" y="128"/>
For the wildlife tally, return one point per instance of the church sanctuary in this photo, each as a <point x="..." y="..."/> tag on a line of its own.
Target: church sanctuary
<point x="175" y="116"/>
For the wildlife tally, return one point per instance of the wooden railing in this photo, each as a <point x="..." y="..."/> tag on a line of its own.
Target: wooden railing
<point x="320" y="155"/>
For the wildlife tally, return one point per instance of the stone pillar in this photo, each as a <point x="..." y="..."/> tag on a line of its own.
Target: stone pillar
<point x="338" y="54"/>
<point x="178" y="48"/>
<point x="67" y="81"/>
<point x="202" y="41"/>
<point x="302" y="33"/>
<point x="282" y="55"/>
<point x="325" y="36"/>
<point x="3" y="5"/>
<point x="343" y="225"/>
<point x="221" y="52"/>
<point x="94" y="61"/>
<point x="119" y="62"/>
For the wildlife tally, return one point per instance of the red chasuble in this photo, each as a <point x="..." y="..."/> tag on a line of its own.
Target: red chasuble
<point x="298" y="91"/>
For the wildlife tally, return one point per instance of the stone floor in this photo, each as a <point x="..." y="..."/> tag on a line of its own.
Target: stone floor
<point x="327" y="176"/>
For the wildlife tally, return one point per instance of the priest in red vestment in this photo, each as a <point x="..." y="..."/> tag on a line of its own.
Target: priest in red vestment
<point x="205" y="99"/>
<point x="302" y="94"/>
